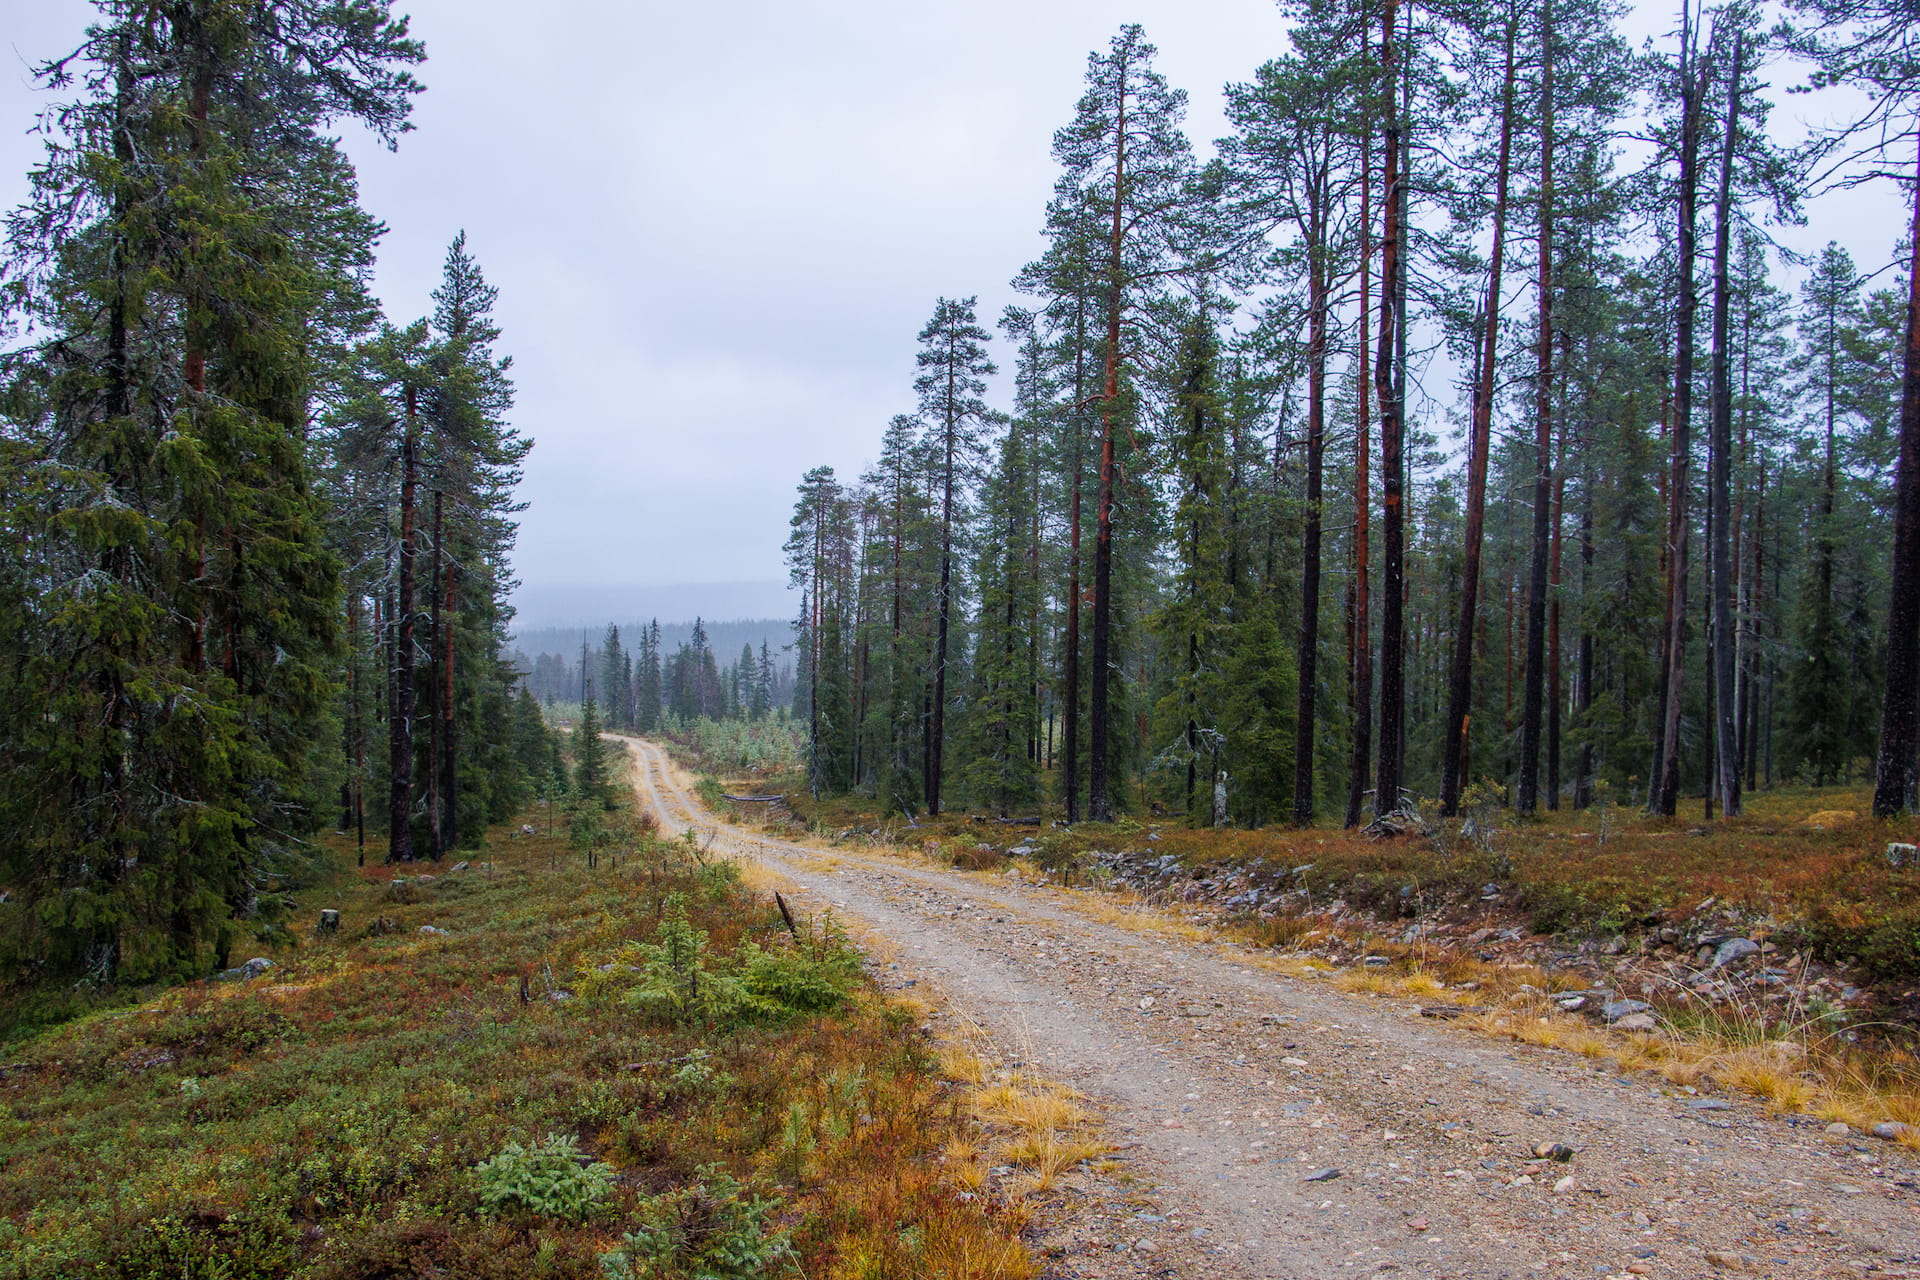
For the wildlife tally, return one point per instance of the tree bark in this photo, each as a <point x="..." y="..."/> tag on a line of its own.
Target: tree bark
<point x="1309" y="652"/>
<point x="1896" y="784"/>
<point x="1386" y="385"/>
<point x="1099" y="801"/>
<point x="1527" y="797"/>
<point x="1664" y="784"/>
<point x="400" y="735"/>
<point x="1070" y="731"/>
<point x="1726" y="706"/>
<point x="1360" y="652"/>
<point x="1460" y="685"/>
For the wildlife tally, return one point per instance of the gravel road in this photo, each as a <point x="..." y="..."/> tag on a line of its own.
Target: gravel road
<point x="1292" y="1130"/>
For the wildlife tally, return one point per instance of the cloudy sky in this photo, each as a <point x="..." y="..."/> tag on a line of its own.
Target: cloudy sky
<point x="717" y="229"/>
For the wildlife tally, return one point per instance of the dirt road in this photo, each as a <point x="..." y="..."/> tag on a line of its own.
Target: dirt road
<point x="1293" y="1130"/>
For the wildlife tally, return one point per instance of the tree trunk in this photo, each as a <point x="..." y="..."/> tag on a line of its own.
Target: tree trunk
<point x="1070" y="730"/>
<point x="1099" y="801"/>
<point x="937" y="730"/>
<point x="1460" y="685"/>
<point x="1361" y="651"/>
<point x="449" y="739"/>
<point x="1309" y="653"/>
<point x="1664" y="785"/>
<point x="1726" y="730"/>
<point x="1527" y="798"/>
<point x="400" y="735"/>
<point x="436" y="719"/>
<point x="1386" y="385"/>
<point x="1896" y="783"/>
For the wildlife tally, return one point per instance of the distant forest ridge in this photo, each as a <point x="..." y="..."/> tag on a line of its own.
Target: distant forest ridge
<point x="558" y="678"/>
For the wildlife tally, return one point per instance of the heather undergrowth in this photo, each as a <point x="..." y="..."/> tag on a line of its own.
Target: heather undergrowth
<point x="631" y="1070"/>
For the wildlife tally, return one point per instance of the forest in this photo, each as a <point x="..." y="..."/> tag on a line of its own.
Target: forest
<point x="258" y="531"/>
<point x="1462" y="427"/>
<point x="668" y="669"/>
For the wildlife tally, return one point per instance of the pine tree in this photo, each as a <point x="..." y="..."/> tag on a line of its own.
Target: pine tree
<point x="1126" y="162"/>
<point x="954" y="368"/>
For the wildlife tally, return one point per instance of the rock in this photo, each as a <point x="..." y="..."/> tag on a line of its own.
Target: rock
<point x="1730" y="1261"/>
<point x="1614" y="1010"/>
<point x="1322" y="1175"/>
<point x="1733" y="949"/>
<point x="1145" y="1246"/>
<point x="1637" y="1022"/>
<point x="329" y="921"/>
<point x="1375" y="962"/>
<point x="1564" y="1185"/>
<point x="1902" y="857"/>
<point x="1616" y="946"/>
<point x="459" y="866"/>
<point x="1524" y="1180"/>
<point x="1558" y="1152"/>
<point x="255" y="967"/>
<point x="1669" y="935"/>
<point x="526" y="828"/>
<point x="1451" y="1011"/>
<point x="1572" y="1003"/>
<point x="1710" y="1104"/>
<point x="433" y="932"/>
<point x="1891" y="1130"/>
<point x="1839" y="1130"/>
<point x="1479" y="936"/>
<point x="1294" y="1062"/>
<point x="1417" y="1224"/>
<point x="1146" y="1002"/>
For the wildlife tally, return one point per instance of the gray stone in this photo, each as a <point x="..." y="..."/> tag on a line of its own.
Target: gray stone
<point x="1890" y="1130"/>
<point x="1839" y="1130"/>
<point x="1614" y="1010"/>
<point x="458" y="866"/>
<point x="433" y="932"/>
<point x="1734" y="949"/>
<point x="1902" y="856"/>
<point x="1710" y="1104"/>
<point x="329" y="920"/>
<point x="1322" y="1175"/>
<point x="1637" y="1022"/>
<point x="1375" y="962"/>
<point x="255" y="967"/>
<point x="1572" y="1003"/>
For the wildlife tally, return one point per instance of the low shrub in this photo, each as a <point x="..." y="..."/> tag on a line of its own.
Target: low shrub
<point x="705" y="1230"/>
<point x="548" y="1180"/>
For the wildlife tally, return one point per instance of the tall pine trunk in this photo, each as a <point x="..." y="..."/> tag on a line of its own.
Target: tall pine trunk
<point x="449" y="739"/>
<point x="1099" y="801"/>
<point x="1070" y="731"/>
<point x="937" y="725"/>
<point x="400" y="728"/>
<point x="1386" y="383"/>
<point x="1527" y="797"/>
<point x="1360" y="651"/>
<point x="1664" y="783"/>
<point x="1896" y="783"/>
<point x="1309" y="652"/>
<point x="1720" y="482"/>
<point x="435" y="718"/>
<point x="1460" y="683"/>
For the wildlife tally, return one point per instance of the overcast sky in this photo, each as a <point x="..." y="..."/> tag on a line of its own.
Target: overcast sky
<point x="716" y="231"/>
